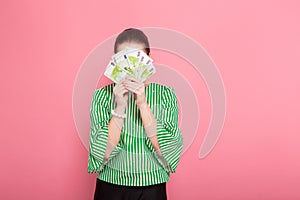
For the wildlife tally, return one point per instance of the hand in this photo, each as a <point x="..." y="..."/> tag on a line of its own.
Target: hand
<point x="121" y="93"/>
<point x="137" y="87"/>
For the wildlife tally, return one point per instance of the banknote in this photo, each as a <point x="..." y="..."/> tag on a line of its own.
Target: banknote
<point x="132" y="62"/>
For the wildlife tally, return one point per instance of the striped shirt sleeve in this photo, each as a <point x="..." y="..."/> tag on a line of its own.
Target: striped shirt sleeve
<point x="168" y="133"/>
<point x="100" y="115"/>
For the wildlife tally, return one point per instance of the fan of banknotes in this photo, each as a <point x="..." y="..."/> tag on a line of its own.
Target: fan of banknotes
<point x="130" y="62"/>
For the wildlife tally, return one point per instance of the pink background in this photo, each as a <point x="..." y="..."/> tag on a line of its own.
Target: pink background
<point x="255" y="44"/>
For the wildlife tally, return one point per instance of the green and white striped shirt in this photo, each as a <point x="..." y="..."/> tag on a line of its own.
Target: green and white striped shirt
<point x="134" y="161"/>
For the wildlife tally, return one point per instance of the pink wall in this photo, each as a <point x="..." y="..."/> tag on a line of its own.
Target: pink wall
<point x="255" y="44"/>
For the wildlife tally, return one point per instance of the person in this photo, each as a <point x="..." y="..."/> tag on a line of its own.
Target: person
<point x="135" y="142"/>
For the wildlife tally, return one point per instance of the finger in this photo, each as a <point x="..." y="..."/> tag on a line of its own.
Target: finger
<point x="130" y="89"/>
<point x="130" y="78"/>
<point x="120" y="86"/>
<point x="129" y="85"/>
<point x="120" y="90"/>
<point x="123" y="90"/>
<point x="134" y="89"/>
<point x="120" y="82"/>
<point x="132" y="84"/>
<point x="123" y="80"/>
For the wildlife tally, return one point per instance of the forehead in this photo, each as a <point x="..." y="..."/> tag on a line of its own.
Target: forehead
<point x="131" y="44"/>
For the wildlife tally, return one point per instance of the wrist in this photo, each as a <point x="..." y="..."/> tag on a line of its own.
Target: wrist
<point x="142" y="105"/>
<point x="120" y="109"/>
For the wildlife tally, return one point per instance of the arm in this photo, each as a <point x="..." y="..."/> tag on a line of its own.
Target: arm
<point x="164" y="132"/>
<point x="104" y="133"/>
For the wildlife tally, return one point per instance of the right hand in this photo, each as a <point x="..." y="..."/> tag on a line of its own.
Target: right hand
<point x="121" y="94"/>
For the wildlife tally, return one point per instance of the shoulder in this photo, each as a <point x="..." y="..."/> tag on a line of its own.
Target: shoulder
<point x="102" y="94"/>
<point x="165" y="92"/>
<point x="162" y="87"/>
<point x="166" y="89"/>
<point x="105" y="90"/>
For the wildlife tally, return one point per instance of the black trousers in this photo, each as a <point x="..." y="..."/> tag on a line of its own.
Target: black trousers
<point x="109" y="191"/>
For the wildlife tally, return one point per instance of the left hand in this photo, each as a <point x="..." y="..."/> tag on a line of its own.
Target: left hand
<point x="137" y="87"/>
